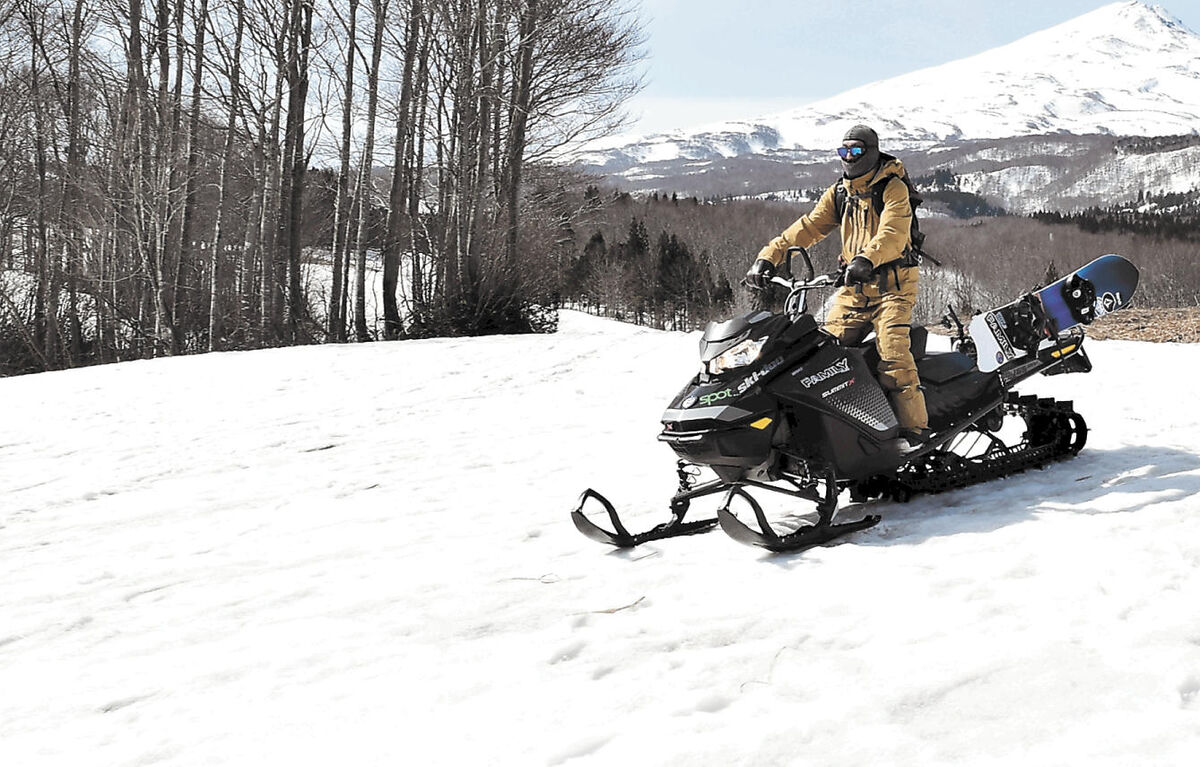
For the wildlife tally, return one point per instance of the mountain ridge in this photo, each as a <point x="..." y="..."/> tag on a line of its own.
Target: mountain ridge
<point x="1127" y="68"/>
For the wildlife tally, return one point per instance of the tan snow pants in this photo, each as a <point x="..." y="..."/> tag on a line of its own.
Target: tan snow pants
<point x="886" y="306"/>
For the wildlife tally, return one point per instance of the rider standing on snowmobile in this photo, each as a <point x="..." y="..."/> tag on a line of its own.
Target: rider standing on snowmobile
<point x="879" y="270"/>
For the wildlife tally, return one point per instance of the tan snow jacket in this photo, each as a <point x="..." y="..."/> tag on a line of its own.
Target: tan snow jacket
<point x="881" y="238"/>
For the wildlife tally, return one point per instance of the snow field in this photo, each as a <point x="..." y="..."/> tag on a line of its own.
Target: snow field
<point x="362" y="555"/>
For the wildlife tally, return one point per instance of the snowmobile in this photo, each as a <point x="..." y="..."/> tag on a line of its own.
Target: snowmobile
<point x="781" y="406"/>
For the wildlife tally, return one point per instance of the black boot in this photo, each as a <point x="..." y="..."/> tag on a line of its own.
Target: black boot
<point x="912" y="439"/>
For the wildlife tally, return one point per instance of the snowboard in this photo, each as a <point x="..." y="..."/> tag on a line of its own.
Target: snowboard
<point x="1019" y="328"/>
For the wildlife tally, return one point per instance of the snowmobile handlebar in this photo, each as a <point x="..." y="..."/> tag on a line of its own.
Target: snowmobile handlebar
<point x="808" y="266"/>
<point x="820" y="281"/>
<point x="796" y="302"/>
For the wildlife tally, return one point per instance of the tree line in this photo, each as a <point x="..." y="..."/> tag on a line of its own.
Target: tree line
<point x="172" y="170"/>
<point x="677" y="263"/>
<point x="1170" y="215"/>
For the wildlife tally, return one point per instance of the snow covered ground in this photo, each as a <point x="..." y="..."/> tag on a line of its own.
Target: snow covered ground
<point x="362" y="555"/>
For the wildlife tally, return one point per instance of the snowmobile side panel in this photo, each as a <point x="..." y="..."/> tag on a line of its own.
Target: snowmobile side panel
<point x="837" y="381"/>
<point x="834" y="441"/>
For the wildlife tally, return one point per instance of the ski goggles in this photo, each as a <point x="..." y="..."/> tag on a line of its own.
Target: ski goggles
<point x="851" y="152"/>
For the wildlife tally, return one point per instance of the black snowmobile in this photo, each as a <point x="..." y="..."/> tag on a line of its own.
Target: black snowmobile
<point x="781" y="406"/>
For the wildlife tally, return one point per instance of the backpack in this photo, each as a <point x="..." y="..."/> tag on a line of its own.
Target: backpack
<point x="915" y="253"/>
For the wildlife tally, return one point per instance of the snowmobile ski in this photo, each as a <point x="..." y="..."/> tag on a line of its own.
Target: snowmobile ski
<point x="620" y="537"/>
<point x="803" y="538"/>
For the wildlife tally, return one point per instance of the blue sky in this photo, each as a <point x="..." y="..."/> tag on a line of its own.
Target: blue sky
<point x="709" y="60"/>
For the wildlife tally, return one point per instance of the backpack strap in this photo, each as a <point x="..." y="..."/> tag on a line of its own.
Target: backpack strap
<point x="878" y="189"/>
<point x="915" y="253"/>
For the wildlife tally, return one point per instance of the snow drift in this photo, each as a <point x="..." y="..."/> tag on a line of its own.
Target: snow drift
<point x="362" y="555"/>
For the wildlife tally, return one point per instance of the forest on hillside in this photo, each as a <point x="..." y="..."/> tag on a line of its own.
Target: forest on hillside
<point x="677" y="262"/>
<point x="1167" y="216"/>
<point x="169" y="167"/>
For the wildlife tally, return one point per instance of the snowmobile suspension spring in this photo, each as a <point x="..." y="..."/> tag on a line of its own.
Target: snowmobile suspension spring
<point x="688" y="474"/>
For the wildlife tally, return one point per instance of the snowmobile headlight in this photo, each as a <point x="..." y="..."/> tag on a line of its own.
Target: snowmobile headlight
<point x="737" y="356"/>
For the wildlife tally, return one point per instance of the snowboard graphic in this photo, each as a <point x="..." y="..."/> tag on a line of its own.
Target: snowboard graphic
<point x="1013" y="330"/>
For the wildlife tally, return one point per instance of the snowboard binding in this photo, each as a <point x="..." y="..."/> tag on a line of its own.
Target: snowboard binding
<point x="1028" y="324"/>
<point x="962" y="342"/>
<point x="1080" y="296"/>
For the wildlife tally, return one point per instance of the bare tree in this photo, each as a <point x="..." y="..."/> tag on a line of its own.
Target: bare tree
<point x="336" y="325"/>
<point x="157" y="193"/>
<point x="365" y="185"/>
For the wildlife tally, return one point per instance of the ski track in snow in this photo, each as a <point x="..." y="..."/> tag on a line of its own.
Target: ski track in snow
<point x="362" y="555"/>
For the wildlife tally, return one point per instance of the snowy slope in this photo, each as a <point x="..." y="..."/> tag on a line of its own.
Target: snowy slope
<point x="362" y="555"/>
<point x="1128" y="68"/>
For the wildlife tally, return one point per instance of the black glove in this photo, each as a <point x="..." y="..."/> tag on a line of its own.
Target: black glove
<point x="760" y="274"/>
<point x="859" y="270"/>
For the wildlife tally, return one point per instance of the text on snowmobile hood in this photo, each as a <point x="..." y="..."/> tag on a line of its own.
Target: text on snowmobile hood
<point x="841" y="366"/>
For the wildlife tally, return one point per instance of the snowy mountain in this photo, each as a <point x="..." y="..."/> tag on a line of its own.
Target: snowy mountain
<point x="1125" y="69"/>
<point x="362" y="555"/>
<point x="1023" y="174"/>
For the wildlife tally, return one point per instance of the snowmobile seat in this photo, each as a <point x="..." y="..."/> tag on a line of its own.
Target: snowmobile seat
<point x="939" y="368"/>
<point x="966" y="392"/>
<point x="954" y="387"/>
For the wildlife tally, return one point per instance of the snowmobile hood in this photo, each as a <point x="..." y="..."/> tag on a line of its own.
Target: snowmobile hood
<point x="719" y="336"/>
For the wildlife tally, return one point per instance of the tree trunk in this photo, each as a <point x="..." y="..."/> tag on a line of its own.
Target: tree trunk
<point x="515" y="151"/>
<point x="271" y="312"/>
<point x="158" y="228"/>
<point x="69" y="214"/>
<point x="215" y="317"/>
<point x="364" y="174"/>
<point x="336" y="325"/>
<point x="416" y="175"/>
<point x="298" y="166"/>
<point x="398" y="207"/>
<point x="46" y="314"/>
<point x="186" y="226"/>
